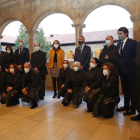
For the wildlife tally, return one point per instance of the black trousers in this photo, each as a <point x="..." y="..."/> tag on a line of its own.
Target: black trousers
<point x="54" y="79"/>
<point x="127" y="82"/>
<point x="42" y="92"/>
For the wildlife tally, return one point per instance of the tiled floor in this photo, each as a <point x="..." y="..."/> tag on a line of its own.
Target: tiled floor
<point x="52" y="121"/>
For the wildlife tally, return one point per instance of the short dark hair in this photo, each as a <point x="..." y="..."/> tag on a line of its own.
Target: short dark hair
<point x="59" y="47"/>
<point x="125" y="30"/>
<point x="10" y="47"/>
<point x="109" y="66"/>
<point x="83" y="37"/>
<point x="15" y="67"/>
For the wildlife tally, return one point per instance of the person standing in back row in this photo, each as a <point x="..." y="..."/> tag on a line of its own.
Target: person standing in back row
<point x="83" y="54"/>
<point x="127" y="53"/>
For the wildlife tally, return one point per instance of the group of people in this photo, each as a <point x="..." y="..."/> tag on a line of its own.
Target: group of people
<point x="93" y="80"/>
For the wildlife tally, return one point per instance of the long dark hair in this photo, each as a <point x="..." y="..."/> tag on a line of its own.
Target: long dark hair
<point x="68" y="63"/>
<point x="97" y="62"/>
<point x="59" y="47"/>
<point x="10" y="47"/>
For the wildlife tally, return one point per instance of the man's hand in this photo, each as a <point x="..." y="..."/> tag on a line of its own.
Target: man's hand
<point x="69" y="90"/>
<point x="81" y="67"/>
<point x="87" y="89"/>
<point x="36" y="69"/>
<point x="6" y="70"/>
<point x="9" y="88"/>
<point x="20" y="67"/>
<point x="106" y="57"/>
<point x="4" y="95"/>
<point x="24" y="91"/>
<point x="62" y="86"/>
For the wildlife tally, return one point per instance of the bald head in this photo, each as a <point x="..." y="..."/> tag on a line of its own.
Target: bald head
<point x="21" y="42"/>
<point x="27" y="65"/>
<point x="109" y="39"/>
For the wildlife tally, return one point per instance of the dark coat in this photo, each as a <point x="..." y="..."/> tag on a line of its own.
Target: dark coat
<point x="3" y="77"/>
<point x="84" y="57"/>
<point x="38" y="59"/>
<point x="23" y="57"/>
<point x="63" y="74"/>
<point x="9" y="59"/>
<point x="75" y="79"/>
<point x="112" y="53"/>
<point x="126" y="59"/>
<point x="2" y="60"/>
<point x="93" y="78"/>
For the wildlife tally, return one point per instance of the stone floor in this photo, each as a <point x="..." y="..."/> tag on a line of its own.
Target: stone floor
<point x="52" y="121"/>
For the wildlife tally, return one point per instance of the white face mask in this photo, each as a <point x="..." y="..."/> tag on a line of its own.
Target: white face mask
<point x="65" y="65"/>
<point x="8" y="51"/>
<point x="11" y="70"/>
<point x="107" y="42"/>
<point x="37" y="48"/>
<point x="105" y="72"/>
<point x="56" y="45"/>
<point x="75" y="69"/>
<point x="20" y="44"/>
<point x="26" y="70"/>
<point x="92" y="65"/>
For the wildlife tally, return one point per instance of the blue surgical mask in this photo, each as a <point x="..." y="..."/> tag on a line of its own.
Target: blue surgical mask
<point x="107" y="42"/>
<point x="20" y="44"/>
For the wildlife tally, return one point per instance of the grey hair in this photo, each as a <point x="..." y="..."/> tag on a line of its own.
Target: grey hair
<point x="28" y="64"/>
<point x="82" y="37"/>
<point x="77" y="62"/>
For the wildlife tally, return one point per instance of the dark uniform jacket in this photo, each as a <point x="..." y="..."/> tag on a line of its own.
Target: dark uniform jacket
<point x="3" y="77"/>
<point x="93" y="78"/>
<point x="112" y="53"/>
<point x="9" y="59"/>
<point x="2" y="59"/>
<point x="38" y="59"/>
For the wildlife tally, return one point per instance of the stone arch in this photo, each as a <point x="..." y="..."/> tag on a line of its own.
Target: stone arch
<point x="6" y="22"/>
<point x="70" y="54"/>
<point x="40" y="15"/>
<point x="91" y="6"/>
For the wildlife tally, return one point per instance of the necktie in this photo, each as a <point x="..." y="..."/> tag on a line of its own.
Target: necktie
<point x="80" y="49"/>
<point x="121" y="48"/>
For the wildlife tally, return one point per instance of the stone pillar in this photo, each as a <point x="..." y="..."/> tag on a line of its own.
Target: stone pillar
<point x="78" y="31"/>
<point x="31" y="39"/>
<point x="136" y="27"/>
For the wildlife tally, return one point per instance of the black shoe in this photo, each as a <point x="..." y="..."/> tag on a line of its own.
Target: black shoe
<point x="55" y="94"/>
<point x="129" y="112"/>
<point x="58" y="96"/>
<point x="33" y="106"/>
<point x="41" y="98"/>
<point x="121" y="109"/>
<point x="136" y="118"/>
<point x="89" y="110"/>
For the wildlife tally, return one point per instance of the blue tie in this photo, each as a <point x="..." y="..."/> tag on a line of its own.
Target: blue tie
<point x="80" y="48"/>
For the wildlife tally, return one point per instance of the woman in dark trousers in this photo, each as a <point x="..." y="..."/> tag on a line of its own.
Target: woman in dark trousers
<point x="9" y="59"/>
<point x="92" y="82"/>
<point x="14" y="85"/>
<point x="55" y="64"/>
<point x="74" y="85"/>
<point x="63" y="74"/>
<point x="108" y="92"/>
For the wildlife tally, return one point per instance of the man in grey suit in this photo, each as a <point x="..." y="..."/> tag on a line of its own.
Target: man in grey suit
<point x="83" y="54"/>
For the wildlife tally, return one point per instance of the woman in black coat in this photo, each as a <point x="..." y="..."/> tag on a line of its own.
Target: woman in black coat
<point x="63" y="74"/>
<point x="108" y="92"/>
<point x="74" y="85"/>
<point x="9" y="59"/>
<point x="92" y="82"/>
<point x="14" y="85"/>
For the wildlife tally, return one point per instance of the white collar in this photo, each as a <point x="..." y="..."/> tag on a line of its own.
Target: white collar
<point x="125" y="40"/>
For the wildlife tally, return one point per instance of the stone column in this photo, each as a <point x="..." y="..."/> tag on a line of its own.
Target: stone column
<point x="78" y="31"/>
<point x="136" y="27"/>
<point x="31" y="39"/>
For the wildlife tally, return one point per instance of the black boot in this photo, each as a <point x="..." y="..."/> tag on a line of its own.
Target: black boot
<point x="136" y="118"/>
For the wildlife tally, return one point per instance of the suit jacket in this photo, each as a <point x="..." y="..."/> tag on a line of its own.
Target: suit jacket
<point x="126" y="59"/>
<point x="38" y="59"/>
<point x="23" y="57"/>
<point x="2" y="60"/>
<point x="60" y="58"/>
<point x="84" y="57"/>
<point x="137" y="59"/>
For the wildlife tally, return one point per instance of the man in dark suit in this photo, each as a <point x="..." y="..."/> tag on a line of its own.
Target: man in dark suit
<point x="127" y="52"/>
<point x="38" y="61"/>
<point x="2" y="58"/>
<point x="22" y="55"/>
<point x="83" y="54"/>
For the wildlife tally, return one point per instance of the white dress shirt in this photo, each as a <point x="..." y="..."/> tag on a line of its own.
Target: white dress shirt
<point x="123" y="43"/>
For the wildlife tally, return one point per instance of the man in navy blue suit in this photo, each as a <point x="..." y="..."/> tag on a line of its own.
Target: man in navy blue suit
<point x="83" y="54"/>
<point x="127" y="52"/>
